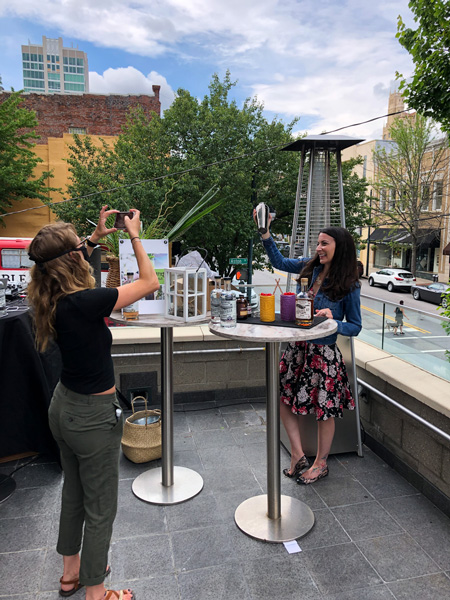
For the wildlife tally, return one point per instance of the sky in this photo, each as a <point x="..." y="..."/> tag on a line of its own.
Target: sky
<point x="331" y="63"/>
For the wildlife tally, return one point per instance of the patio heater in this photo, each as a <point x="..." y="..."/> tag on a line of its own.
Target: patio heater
<point x="319" y="201"/>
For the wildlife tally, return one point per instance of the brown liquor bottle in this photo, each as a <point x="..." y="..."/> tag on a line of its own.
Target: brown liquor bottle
<point x="304" y="306"/>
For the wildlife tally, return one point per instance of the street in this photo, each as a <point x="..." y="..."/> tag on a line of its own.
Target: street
<point x="424" y="342"/>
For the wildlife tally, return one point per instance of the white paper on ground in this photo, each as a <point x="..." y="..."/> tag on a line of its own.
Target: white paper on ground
<point x="292" y="547"/>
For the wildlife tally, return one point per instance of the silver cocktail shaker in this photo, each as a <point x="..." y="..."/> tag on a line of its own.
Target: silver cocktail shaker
<point x="262" y="217"/>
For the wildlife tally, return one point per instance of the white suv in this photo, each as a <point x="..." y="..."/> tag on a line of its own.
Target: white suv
<point x="392" y="278"/>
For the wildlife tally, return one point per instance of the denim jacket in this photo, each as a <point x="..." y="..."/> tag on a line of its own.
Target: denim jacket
<point x="348" y="307"/>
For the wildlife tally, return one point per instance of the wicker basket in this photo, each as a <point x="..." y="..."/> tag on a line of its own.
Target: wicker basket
<point x="142" y="443"/>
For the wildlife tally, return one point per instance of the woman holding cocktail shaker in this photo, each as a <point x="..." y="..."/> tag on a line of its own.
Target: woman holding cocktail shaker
<point x="313" y="377"/>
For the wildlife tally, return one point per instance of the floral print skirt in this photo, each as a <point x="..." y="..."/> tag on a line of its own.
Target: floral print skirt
<point x="313" y="379"/>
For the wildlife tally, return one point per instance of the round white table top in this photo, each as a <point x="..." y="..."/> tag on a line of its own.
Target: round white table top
<point x="258" y="332"/>
<point x="155" y="321"/>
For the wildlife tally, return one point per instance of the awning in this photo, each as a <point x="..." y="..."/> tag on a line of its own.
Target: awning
<point x="446" y="250"/>
<point x="426" y="237"/>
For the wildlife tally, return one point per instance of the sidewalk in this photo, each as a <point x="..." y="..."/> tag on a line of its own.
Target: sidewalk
<point x="375" y="537"/>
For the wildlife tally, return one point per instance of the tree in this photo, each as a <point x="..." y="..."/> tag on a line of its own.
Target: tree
<point x="429" y="45"/>
<point x="407" y="180"/>
<point x="215" y="143"/>
<point x="17" y="159"/>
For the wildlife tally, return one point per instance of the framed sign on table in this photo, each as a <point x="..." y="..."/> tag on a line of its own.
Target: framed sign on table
<point x="158" y="252"/>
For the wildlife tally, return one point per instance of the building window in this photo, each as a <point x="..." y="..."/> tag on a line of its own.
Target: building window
<point x="77" y="78"/>
<point x="80" y="62"/>
<point x="65" y="60"/>
<point x="26" y="65"/>
<point x="78" y="130"/>
<point x="382" y="199"/>
<point x="16" y="259"/>
<point x="41" y="58"/>
<point x="80" y="69"/>
<point x="74" y="87"/>
<point x="34" y="57"/>
<point x="53" y="76"/>
<point x="425" y="197"/>
<point x="57" y="67"/>
<point x="33" y="74"/>
<point x="25" y="56"/>
<point x="391" y="199"/>
<point x="71" y="61"/>
<point x="57" y="58"/>
<point x="32" y="83"/>
<point x="437" y="195"/>
<point x="54" y="85"/>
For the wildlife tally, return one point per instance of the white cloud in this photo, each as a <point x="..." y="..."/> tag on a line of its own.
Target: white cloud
<point x="130" y="81"/>
<point x="328" y="60"/>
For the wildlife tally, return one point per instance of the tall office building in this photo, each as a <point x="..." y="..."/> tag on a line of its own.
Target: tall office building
<point x="51" y="69"/>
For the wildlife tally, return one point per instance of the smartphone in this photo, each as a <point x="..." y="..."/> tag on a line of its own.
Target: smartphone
<point x="119" y="223"/>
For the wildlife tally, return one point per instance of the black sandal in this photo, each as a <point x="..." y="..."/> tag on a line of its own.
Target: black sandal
<point x="301" y="466"/>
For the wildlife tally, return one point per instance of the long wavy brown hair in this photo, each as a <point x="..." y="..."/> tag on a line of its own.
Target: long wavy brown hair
<point x="52" y="280"/>
<point x="343" y="274"/>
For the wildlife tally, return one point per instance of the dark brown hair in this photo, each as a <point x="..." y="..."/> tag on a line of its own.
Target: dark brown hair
<point x="343" y="274"/>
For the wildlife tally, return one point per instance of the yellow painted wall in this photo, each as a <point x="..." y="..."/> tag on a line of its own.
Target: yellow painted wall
<point x="28" y="223"/>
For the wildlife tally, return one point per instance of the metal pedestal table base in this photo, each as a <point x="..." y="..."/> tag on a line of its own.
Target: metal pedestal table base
<point x="149" y="487"/>
<point x="296" y="519"/>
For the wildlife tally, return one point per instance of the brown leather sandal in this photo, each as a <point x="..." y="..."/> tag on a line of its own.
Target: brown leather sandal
<point x="118" y="595"/>
<point x="76" y="585"/>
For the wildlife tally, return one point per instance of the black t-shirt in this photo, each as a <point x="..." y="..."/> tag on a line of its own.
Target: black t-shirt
<point x="85" y="340"/>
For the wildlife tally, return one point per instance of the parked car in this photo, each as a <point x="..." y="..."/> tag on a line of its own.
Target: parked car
<point x="437" y="293"/>
<point x="392" y="279"/>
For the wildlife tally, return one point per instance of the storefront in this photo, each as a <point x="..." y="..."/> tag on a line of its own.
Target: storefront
<point x="392" y="248"/>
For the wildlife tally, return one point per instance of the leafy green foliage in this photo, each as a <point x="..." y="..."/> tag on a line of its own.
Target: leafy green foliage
<point x="406" y="174"/>
<point x="17" y="159"/>
<point x="198" y="146"/>
<point x="429" y="45"/>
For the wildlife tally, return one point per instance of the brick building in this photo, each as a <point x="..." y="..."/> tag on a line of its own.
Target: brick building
<point x="59" y="117"/>
<point x="92" y="114"/>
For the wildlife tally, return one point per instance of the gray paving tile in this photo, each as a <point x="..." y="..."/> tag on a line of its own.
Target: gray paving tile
<point x="284" y="579"/>
<point x="20" y="572"/>
<point x="225" y="582"/>
<point x="24" y="533"/>
<point x="140" y="557"/>
<point x="135" y="517"/>
<point x="340" y="491"/>
<point x="31" y="502"/>
<point x="131" y="470"/>
<point x="379" y="592"/>
<point x="189" y="459"/>
<point x="199" y="548"/>
<point x="305" y="493"/>
<point x="397" y="557"/>
<point x="415" y="513"/>
<point x="51" y="571"/>
<point x="326" y="531"/>
<point x="229" y="478"/>
<point x="184" y="441"/>
<point x="198" y="512"/>
<point x="385" y="483"/>
<point x="340" y="568"/>
<point x="256" y="454"/>
<point x="206" y="421"/>
<point x="180" y="423"/>
<point x="245" y="547"/>
<point x="231" y="407"/>
<point x="435" y="540"/>
<point x="213" y="439"/>
<point x="228" y="502"/>
<point x="225" y="456"/>
<point x="366" y="520"/>
<point x="362" y="464"/>
<point x="255" y="434"/>
<point x="429" y="587"/>
<point x="162" y="587"/>
<point x="38" y="475"/>
<point x="243" y="419"/>
<point x="195" y="407"/>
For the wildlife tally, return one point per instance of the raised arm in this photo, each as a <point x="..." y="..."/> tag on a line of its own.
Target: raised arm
<point x="148" y="280"/>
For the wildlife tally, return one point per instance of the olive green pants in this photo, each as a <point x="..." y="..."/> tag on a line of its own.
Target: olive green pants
<point x="88" y="433"/>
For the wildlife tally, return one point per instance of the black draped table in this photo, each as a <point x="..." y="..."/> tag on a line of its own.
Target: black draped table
<point x="27" y="380"/>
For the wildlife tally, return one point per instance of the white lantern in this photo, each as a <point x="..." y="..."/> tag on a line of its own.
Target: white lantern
<point x="185" y="294"/>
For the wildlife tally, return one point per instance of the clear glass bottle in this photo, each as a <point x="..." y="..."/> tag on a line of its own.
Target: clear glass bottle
<point x="304" y="305"/>
<point x="228" y="305"/>
<point x="130" y="312"/>
<point x="216" y="295"/>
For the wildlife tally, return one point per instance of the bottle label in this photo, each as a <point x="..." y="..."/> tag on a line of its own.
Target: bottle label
<point x="228" y="312"/>
<point x="303" y="309"/>
<point x="215" y="306"/>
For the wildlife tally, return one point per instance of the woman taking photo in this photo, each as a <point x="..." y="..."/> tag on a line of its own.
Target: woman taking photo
<point x="85" y="416"/>
<point x="313" y="378"/>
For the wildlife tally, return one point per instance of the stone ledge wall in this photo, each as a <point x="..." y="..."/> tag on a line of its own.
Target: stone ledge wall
<point x="414" y="447"/>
